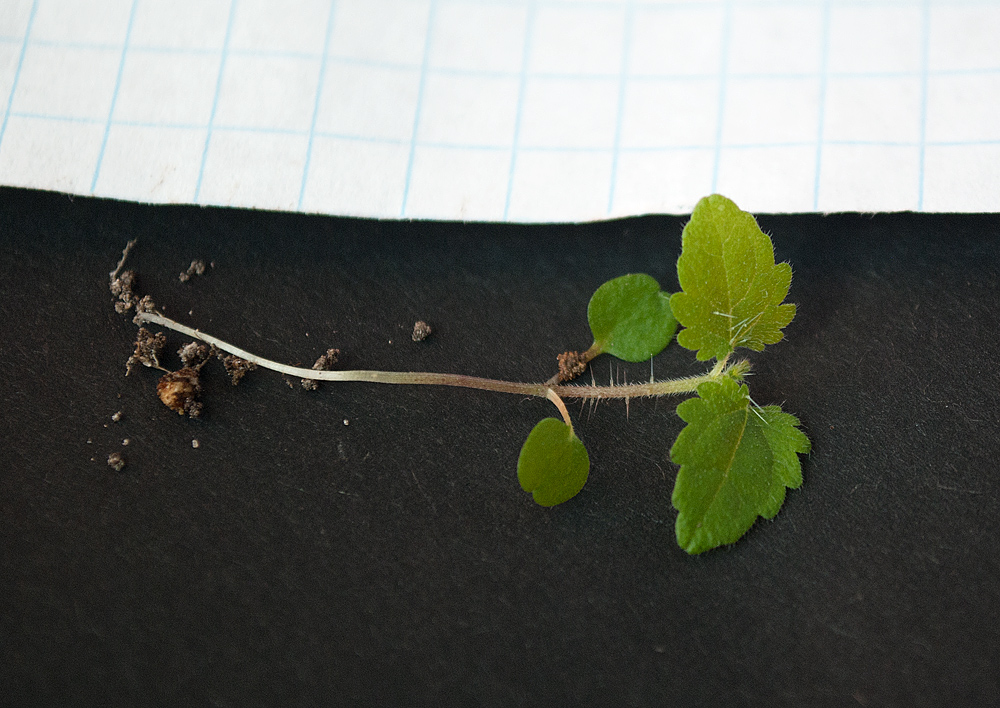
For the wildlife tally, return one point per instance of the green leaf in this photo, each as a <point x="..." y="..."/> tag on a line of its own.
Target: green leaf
<point x="630" y="318"/>
<point x="553" y="464"/>
<point x="736" y="462"/>
<point x="732" y="289"/>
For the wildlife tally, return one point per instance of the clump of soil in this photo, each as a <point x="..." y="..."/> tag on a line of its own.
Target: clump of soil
<point x="571" y="365"/>
<point x="236" y="368"/>
<point x="194" y="355"/>
<point x="324" y="363"/>
<point x="148" y="347"/>
<point x="197" y="267"/>
<point x="421" y="331"/>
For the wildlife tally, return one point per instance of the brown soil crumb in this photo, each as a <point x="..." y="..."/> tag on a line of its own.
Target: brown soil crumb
<point x="148" y="347"/>
<point x="421" y="331"/>
<point x="197" y="267"/>
<point x="324" y="363"/>
<point x="327" y="360"/>
<point x="194" y="355"/>
<point x="121" y="288"/>
<point x="122" y="283"/>
<point x="146" y="304"/>
<point x="179" y="391"/>
<point x="116" y="461"/>
<point x="571" y="365"/>
<point x="236" y="368"/>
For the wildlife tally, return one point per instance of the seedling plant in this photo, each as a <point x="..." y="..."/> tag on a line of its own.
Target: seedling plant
<point x="736" y="458"/>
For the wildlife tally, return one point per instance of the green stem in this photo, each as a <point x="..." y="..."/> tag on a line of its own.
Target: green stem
<point x="654" y="388"/>
<point x="720" y="366"/>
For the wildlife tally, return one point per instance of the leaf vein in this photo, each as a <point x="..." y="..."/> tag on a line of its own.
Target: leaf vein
<point x="728" y="468"/>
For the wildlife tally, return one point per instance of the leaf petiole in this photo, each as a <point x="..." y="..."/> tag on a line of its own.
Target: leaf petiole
<point x="558" y="402"/>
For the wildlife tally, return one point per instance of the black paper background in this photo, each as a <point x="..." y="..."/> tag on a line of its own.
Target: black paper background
<point x="293" y="559"/>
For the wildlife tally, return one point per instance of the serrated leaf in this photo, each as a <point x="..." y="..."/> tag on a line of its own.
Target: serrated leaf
<point x="630" y="317"/>
<point x="731" y="287"/>
<point x="736" y="462"/>
<point x="553" y="464"/>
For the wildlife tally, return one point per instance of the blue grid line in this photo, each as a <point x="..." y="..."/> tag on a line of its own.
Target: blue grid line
<point x="63" y="119"/>
<point x="493" y="73"/>
<point x="821" y="112"/>
<point x="961" y="72"/>
<point x="776" y="76"/>
<point x="588" y="4"/>
<point x="958" y="143"/>
<point x="622" y="90"/>
<point x="474" y="73"/>
<point x="420" y="104"/>
<point x="262" y="53"/>
<point x="277" y="54"/>
<point x="215" y="99"/>
<point x="873" y="143"/>
<point x="654" y="5"/>
<point x="71" y="44"/>
<point x="160" y="49"/>
<point x="257" y="53"/>
<point x="17" y="71"/>
<point x="924" y="58"/>
<point x="555" y="76"/>
<point x="361" y="138"/>
<point x="805" y="75"/>
<point x="498" y="147"/>
<point x="680" y="78"/>
<point x="114" y="97"/>
<point x="163" y="126"/>
<point x="670" y="148"/>
<point x="792" y="144"/>
<point x="529" y="26"/>
<point x="463" y="146"/>
<point x="376" y="63"/>
<point x="723" y="71"/>
<point x="727" y="146"/>
<point x="264" y="130"/>
<point x="319" y="94"/>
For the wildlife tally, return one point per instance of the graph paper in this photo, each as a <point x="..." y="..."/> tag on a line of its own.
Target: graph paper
<point x="505" y="110"/>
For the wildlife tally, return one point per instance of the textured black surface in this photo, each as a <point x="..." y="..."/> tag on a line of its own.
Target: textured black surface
<point x="293" y="559"/>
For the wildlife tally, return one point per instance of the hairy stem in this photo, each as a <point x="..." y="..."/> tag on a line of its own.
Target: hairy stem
<point x="653" y="388"/>
<point x="720" y="366"/>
